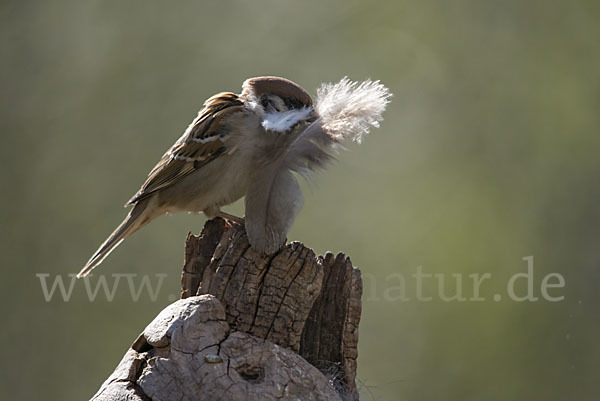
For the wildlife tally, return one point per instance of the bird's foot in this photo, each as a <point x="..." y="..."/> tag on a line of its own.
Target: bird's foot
<point x="230" y="218"/>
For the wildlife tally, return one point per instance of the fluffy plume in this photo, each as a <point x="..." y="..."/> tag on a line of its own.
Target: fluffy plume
<point x="349" y="109"/>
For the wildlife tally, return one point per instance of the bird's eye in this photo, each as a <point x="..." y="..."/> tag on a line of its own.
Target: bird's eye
<point x="267" y="103"/>
<point x="292" y="103"/>
<point x="275" y="104"/>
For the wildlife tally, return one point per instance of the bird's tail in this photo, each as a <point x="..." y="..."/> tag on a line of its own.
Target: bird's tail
<point x="138" y="217"/>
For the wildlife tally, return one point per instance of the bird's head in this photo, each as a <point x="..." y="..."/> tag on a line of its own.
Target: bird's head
<point x="280" y="103"/>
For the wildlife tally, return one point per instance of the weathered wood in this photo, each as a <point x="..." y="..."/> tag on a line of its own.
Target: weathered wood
<point x="330" y="336"/>
<point x="189" y="352"/>
<point x="310" y="304"/>
<point x="249" y="327"/>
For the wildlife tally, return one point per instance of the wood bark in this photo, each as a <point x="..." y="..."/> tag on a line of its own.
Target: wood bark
<point x="248" y="327"/>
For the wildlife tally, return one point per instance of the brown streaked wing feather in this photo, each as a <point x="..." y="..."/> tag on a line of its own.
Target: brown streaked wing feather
<point x="201" y="143"/>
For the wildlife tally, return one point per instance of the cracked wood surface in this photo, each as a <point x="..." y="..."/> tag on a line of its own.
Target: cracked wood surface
<point x="249" y="327"/>
<point x="189" y="352"/>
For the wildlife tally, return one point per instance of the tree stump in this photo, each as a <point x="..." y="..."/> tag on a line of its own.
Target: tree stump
<point x="248" y="327"/>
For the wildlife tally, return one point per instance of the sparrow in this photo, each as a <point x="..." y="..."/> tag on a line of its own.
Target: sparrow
<point x="249" y="145"/>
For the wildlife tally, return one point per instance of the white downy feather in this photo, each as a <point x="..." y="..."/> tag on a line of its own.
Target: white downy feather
<point x="349" y="109"/>
<point x="283" y="121"/>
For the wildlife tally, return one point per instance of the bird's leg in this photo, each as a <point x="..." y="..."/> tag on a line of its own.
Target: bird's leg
<point x="232" y="218"/>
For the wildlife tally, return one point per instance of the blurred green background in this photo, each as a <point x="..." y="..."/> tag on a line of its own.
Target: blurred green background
<point x="489" y="153"/>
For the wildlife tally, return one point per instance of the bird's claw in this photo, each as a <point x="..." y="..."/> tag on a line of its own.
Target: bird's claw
<point x="230" y="218"/>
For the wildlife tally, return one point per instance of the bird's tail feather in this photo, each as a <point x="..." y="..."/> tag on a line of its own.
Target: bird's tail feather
<point x="138" y="217"/>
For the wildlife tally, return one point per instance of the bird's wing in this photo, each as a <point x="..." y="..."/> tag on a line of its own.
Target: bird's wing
<point x="203" y="141"/>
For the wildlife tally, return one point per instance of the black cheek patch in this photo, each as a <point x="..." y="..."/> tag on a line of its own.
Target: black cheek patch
<point x="292" y="103"/>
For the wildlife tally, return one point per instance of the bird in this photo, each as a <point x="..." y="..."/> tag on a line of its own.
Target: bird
<point x="251" y="145"/>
